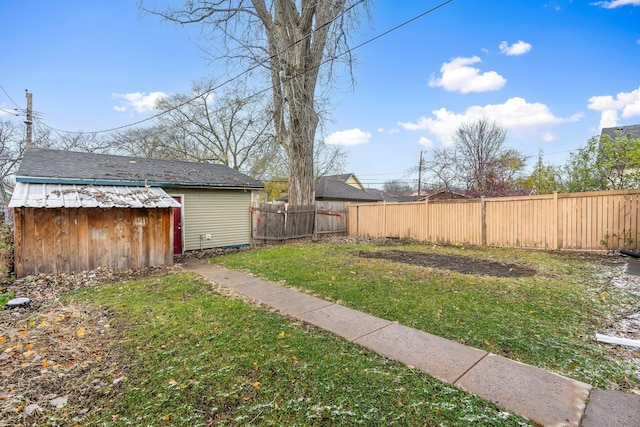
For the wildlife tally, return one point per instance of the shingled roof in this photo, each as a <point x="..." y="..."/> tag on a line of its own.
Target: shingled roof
<point x="332" y="189"/>
<point x="69" y="167"/>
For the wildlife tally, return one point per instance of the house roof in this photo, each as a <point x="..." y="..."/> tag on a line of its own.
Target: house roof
<point x="329" y="188"/>
<point x="333" y="189"/>
<point x="345" y="177"/>
<point x="31" y="195"/>
<point x="632" y="131"/>
<point x="69" y="167"/>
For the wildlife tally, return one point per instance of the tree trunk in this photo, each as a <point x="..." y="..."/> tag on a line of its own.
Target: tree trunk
<point x="297" y="41"/>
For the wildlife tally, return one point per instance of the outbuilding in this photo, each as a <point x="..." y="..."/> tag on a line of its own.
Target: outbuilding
<point x="78" y="211"/>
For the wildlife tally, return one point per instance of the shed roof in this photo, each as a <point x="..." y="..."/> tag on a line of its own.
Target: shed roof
<point x="29" y="195"/>
<point x="70" y="167"/>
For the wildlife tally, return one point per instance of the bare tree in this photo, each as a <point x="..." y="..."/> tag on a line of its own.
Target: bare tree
<point x="227" y="126"/>
<point x="292" y="40"/>
<point x="12" y="146"/>
<point x="478" y="163"/>
<point x="397" y="187"/>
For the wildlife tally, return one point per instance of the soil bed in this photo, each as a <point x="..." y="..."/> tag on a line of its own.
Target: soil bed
<point x="457" y="263"/>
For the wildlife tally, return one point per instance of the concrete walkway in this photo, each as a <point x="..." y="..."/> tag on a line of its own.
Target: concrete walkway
<point x="544" y="397"/>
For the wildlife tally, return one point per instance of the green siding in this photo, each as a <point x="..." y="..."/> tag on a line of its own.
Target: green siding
<point x="225" y="214"/>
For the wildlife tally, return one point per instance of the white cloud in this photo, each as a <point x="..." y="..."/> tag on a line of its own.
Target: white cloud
<point x="625" y="104"/>
<point x="348" y="137"/>
<point x="138" y="101"/>
<point x="457" y="75"/>
<point x="425" y="141"/>
<point x="612" y="4"/>
<point x="519" y="117"/>
<point x="518" y="48"/>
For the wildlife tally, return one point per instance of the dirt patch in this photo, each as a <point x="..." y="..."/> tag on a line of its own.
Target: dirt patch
<point x="458" y="263"/>
<point x="59" y="361"/>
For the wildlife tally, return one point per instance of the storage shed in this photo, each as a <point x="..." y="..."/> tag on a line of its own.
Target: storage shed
<point x="78" y="211"/>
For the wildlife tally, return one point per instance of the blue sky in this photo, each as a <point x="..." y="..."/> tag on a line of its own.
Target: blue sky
<point x="551" y="72"/>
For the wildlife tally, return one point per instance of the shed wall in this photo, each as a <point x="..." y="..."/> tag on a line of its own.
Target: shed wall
<point x="63" y="240"/>
<point x="225" y="215"/>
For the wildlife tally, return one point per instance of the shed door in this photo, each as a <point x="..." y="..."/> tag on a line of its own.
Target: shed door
<point x="177" y="227"/>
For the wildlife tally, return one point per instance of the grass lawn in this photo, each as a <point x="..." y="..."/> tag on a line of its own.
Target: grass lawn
<point x="193" y="356"/>
<point x="547" y="319"/>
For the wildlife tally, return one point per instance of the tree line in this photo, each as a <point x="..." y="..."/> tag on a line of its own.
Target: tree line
<point x="480" y="164"/>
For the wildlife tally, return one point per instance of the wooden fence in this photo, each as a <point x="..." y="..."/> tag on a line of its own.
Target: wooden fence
<point x="581" y="221"/>
<point x="280" y="222"/>
<point x="331" y="217"/>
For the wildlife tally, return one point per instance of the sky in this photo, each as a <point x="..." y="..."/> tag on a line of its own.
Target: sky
<point x="552" y="73"/>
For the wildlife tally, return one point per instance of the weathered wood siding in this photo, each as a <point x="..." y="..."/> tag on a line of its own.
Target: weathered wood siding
<point x="598" y="220"/>
<point x="64" y="240"/>
<point x="225" y="215"/>
<point x="331" y="217"/>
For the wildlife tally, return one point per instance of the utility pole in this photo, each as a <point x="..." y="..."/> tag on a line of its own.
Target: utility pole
<point x="420" y="175"/>
<point x="29" y="120"/>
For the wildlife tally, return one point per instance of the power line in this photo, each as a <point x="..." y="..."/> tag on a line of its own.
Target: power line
<point x="11" y="99"/>
<point x="155" y="116"/>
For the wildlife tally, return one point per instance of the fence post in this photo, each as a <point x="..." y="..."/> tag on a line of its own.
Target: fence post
<point x="384" y="219"/>
<point x="557" y="215"/>
<point x="484" y="221"/>
<point x="425" y="223"/>
<point x="315" y="221"/>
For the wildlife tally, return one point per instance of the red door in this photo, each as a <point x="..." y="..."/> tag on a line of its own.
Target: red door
<point x="177" y="227"/>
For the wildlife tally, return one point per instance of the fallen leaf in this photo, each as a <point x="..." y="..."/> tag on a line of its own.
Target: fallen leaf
<point x="80" y="332"/>
<point x="22" y="332"/>
<point x="19" y="409"/>
<point x="59" y="402"/>
<point x="28" y="346"/>
<point x="256" y="385"/>
<point x="32" y="408"/>
<point x="166" y="417"/>
<point x="2" y="339"/>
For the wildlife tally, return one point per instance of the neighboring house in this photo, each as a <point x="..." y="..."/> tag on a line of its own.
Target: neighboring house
<point x="631" y="132"/>
<point x="341" y="188"/>
<point x="445" y="195"/>
<point x="78" y="211"/>
<point x="347" y="178"/>
<point x="331" y="189"/>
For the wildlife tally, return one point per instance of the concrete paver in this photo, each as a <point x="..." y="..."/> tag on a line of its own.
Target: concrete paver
<point x="441" y="358"/>
<point x="256" y="288"/>
<point x="294" y="303"/>
<point x="344" y="321"/>
<point x="545" y="397"/>
<point x="612" y="409"/>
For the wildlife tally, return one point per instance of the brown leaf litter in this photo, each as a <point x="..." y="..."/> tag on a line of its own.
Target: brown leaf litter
<point x="59" y="360"/>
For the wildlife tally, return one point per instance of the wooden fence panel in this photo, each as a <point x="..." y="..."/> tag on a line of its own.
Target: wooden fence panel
<point x="331" y="217"/>
<point x="281" y="222"/>
<point x="581" y="221"/>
